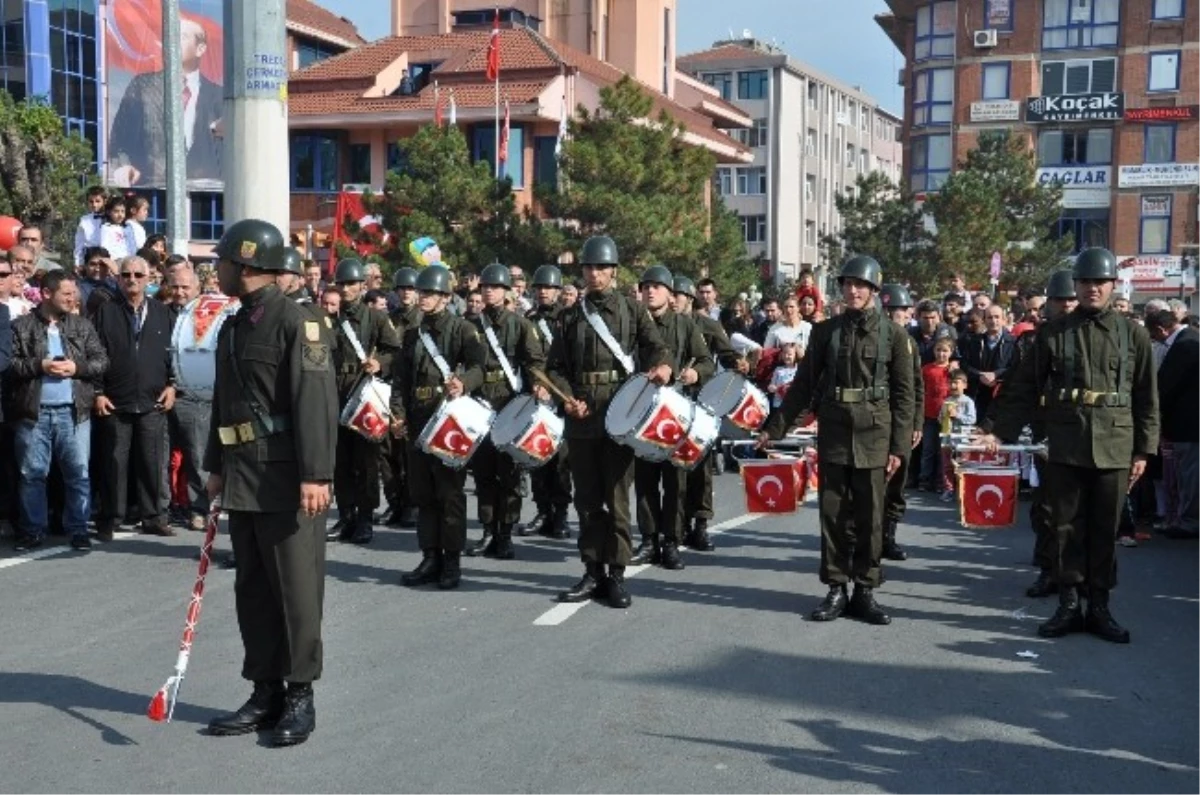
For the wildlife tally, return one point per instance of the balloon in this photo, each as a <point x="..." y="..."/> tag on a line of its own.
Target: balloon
<point x="9" y="227"/>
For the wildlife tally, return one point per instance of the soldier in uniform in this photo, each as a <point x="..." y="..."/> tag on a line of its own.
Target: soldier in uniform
<point x="898" y="304"/>
<point x="420" y="387"/>
<point x="586" y="366"/>
<point x="393" y="458"/>
<point x="698" y="503"/>
<point x="660" y="487"/>
<point x="551" y="482"/>
<point x="858" y="372"/>
<point x="513" y="351"/>
<point x="270" y="459"/>
<point x="356" y="484"/>
<point x="291" y="279"/>
<point x="1092" y="379"/>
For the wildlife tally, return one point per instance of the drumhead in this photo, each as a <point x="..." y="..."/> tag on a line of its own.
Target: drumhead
<point x="722" y="393"/>
<point x="513" y="420"/>
<point x="630" y="406"/>
<point x="194" y="341"/>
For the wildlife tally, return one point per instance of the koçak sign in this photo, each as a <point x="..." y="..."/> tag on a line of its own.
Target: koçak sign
<point x="1076" y="107"/>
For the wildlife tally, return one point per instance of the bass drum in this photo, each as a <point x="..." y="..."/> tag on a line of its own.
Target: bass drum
<point x="527" y="432"/>
<point x="194" y="343"/>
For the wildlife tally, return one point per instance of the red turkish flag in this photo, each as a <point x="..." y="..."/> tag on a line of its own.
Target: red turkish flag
<point x="988" y="497"/>
<point x="369" y="422"/>
<point x="687" y="453"/>
<point x="539" y="443"/>
<point x="748" y="415"/>
<point x="493" y="52"/>
<point x="451" y="438"/>
<point x="663" y="429"/>
<point x="770" y="486"/>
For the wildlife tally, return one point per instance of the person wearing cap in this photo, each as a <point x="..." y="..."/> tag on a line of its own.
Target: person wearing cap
<point x="270" y="456"/>
<point x="393" y="456"/>
<point x="356" y="485"/>
<point x="419" y="388"/>
<point x="859" y="374"/>
<point x="591" y="366"/>
<point x="898" y="305"/>
<point x="1091" y="381"/>
<point x="551" y="482"/>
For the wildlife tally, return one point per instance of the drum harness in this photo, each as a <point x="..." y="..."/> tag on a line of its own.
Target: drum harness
<point x="268" y="424"/>
<point x="878" y="389"/>
<point x="439" y="361"/>
<point x="489" y="333"/>
<point x="598" y="325"/>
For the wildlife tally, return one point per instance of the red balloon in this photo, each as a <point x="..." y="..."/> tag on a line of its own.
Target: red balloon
<point x="9" y="227"/>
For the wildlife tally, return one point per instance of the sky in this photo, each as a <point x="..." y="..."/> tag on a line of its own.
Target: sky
<point x="838" y="37"/>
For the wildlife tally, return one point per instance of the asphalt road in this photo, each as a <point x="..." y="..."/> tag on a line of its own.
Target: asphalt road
<point x="712" y="682"/>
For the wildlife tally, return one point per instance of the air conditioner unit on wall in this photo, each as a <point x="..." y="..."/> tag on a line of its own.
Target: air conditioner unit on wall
<point x="986" y="39"/>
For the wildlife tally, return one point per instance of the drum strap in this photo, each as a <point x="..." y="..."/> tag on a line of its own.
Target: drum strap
<point x="489" y="333"/>
<point x="597" y="323"/>
<point x="348" y="330"/>
<point x="432" y="349"/>
<point x="544" y="327"/>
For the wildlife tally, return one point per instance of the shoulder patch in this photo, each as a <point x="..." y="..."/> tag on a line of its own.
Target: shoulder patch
<point x="314" y="356"/>
<point x="312" y="331"/>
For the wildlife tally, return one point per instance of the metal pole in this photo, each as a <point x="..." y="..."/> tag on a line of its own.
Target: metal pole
<point x="255" y="149"/>
<point x="177" y="199"/>
<point x="497" y="117"/>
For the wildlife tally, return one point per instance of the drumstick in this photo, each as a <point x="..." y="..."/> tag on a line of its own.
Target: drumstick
<point x="551" y="387"/>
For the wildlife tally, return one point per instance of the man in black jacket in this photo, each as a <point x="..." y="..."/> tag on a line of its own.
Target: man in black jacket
<point x="1179" y="407"/>
<point x="132" y="401"/>
<point x="987" y="358"/>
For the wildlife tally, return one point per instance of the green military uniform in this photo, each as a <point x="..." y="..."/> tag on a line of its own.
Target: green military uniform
<point x="895" y="503"/>
<point x="551" y="482"/>
<point x="393" y="455"/>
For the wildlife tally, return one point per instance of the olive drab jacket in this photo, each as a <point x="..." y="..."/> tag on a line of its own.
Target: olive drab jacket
<point x="521" y="346"/>
<point x="417" y="383"/>
<point x="685" y="345"/>
<point x="862" y="391"/>
<point x="377" y="336"/>
<point x="717" y="341"/>
<point x="274" y="406"/>
<point x="584" y="367"/>
<point x="547" y="322"/>
<point x="1091" y="381"/>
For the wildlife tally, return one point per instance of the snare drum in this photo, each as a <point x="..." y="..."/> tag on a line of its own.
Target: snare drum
<point x="367" y="412"/>
<point x="649" y="419"/>
<point x="742" y="406"/>
<point x="527" y="431"/>
<point x="194" y="343"/>
<point x="455" y="432"/>
<point x="701" y="436"/>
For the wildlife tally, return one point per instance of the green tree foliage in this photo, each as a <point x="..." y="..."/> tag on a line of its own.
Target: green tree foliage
<point x="43" y="171"/>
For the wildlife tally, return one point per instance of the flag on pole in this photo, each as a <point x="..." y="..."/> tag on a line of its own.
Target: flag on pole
<point x="453" y="110"/>
<point x="437" y="105"/>
<point x="503" y="154"/>
<point x="493" y="53"/>
<point x="562" y="125"/>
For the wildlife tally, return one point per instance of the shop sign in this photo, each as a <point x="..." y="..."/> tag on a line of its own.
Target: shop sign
<point x="1107" y="106"/>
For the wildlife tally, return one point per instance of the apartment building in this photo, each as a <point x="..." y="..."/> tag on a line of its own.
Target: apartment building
<point x="811" y="136"/>
<point x="1107" y="91"/>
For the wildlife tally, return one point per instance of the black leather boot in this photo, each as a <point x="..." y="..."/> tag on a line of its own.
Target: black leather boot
<point x="832" y="606"/>
<point x="558" y="523"/>
<point x="408" y="516"/>
<point x="487" y="542"/>
<point x="537" y="525"/>
<point x="261" y="711"/>
<point x="863" y="606"/>
<point x="586" y="588"/>
<point x="892" y="550"/>
<point x="1044" y="585"/>
<point x="1100" y="622"/>
<point x="504" y="545"/>
<point x="427" y="571"/>
<point x="299" y="716"/>
<point x="670" y="557"/>
<point x="1067" y="618"/>
<point x="451" y="571"/>
<point x="616" y="595"/>
<point x="647" y="552"/>
<point x="698" y="539"/>
<point x="364" y="531"/>
<point x="342" y="527"/>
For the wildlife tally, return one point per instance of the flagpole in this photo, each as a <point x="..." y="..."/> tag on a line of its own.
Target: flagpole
<point x="496" y="116"/>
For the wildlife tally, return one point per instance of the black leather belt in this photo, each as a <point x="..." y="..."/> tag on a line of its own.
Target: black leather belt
<point x="863" y="395"/>
<point x="244" y="432"/>
<point x="607" y="377"/>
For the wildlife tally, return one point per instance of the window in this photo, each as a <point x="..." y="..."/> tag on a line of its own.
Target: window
<point x="849" y="155"/>
<point x="309" y="51"/>
<point x="752" y="181"/>
<point x="156" y="221"/>
<point x="1075" y="147"/>
<point x="668" y="61"/>
<point x="314" y="163"/>
<point x="74" y="88"/>
<point x="935" y="31"/>
<point x="864" y="160"/>
<point x="1167" y="9"/>
<point x="721" y="81"/>
<point x="752" y="85"/>
<point x="810" y="233"/>
<point x="1155" y="235"/>
<point x="545" y="162"/>
<point x="484" y="148"/>
<point x="998" y="14"/>
<point x="931" y="162"/>
<point x="1164" y="71"/>
<point x="810" y="142"/>
<point x="995" y="80"/>
<point x="724" y="181"/>
<point x="812" y="95"/>
<point x="1068" y="24"/>
<point x="1088" y="228"/>
<point x="397" y="160"/>
<point x="754" y="228"/>
<point x="933" y="102"/>
<point x="810" y="187"/>
<point x="1087" y="76"/>
<point x="1160" y="143"/>
<point x="208" y="216"/>
<point x="12" y="45"/>
<point x="825" y="146"/>
<point x="759" y="135"/>
<point x="853" y="113"/>
<point x="360" y="163"/>
<point x="740" y="135"/>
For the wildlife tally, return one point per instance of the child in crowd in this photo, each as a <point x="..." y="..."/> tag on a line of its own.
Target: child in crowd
<point x="114" y="234"/>
<point x="957" y="414"/>
<point x="936" y="378"/>
<point x="784" y="372"/>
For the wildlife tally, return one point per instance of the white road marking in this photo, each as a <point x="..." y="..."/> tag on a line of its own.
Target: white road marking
<point x="561" y="612"/>
<point x="49" y="552"/>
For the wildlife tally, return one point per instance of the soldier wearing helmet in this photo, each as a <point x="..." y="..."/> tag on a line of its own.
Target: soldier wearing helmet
<point x="858" y="372"/>
<point x="1091" y="382"/>
<point x="270" y="455"/>
<point x="393" y="457"/>
<point x="898" y="305"/>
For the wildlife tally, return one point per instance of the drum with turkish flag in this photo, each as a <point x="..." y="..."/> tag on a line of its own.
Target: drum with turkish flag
<point x="771" y="485"/>
<point x="987" y="496"/>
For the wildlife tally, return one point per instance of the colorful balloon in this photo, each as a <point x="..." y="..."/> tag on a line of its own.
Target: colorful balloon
<point x="9" y="227"/>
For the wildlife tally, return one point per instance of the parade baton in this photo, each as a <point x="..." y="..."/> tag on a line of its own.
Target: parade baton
<point x="162" y="706"/>
<point x="1003" y="448"/>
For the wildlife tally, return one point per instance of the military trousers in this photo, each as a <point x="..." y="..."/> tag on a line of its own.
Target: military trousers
<point x="356" y="474"/>
<point x="393" y="465"/>
<point x="850" y="500"/>
<point x="698" y="502"/>
<point x="497" y="485"/>
<point x="279" y="593"/>
<point x="659" y="488"/>
<point x="1085" y="512"/>
<point x="894" y="502"/>
<point x="602" y="472"/>
<point x="437" y="491"/>
<point x="1044" y="542"/>
<point x="551" y="482"/>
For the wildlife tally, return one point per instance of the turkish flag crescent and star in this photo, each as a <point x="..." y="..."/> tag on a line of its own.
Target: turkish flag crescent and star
<point x="663" y="429"/>
<point x="451" y="438"/>
<point x="988" y="497"/>
<point x="538" y="442"/>
<point x="370" y="422"/>
<point x="493" y="53"/>
<point x="770" y="486"/>
<point x="748" y="414"/>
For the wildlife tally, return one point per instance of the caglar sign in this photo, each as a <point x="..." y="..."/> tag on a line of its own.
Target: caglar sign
<point x="1075" y="107"/>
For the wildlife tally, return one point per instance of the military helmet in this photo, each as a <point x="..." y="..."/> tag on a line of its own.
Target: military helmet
<point x="349" y="271"/>
<point x="1061" y="284"/>
<point x="496" y="275"/>
<point x="684" y="286"/>
<point x="291" y="262"/>
<point x="547" y="276"/>
<point x="1095" y="263"/>
<point x="658" y="274"/>
<point x="895" y="296"/>
<point x="435" y="279"/>
<point x="599" y="250"/>
<point x="249" y="241"/>
<point x="863" y="268"/>
<point x="404" y="277"/>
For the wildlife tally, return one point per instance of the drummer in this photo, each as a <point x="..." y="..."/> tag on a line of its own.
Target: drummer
<point x="898" y="304"/>
<point x="606" y="337"/>
<point x="393" y="456"/>
<point x="660" y="485"/>
<point x="513" y="351"/>
<point x="419" y="389"/>
<point x="698" y="504"/>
